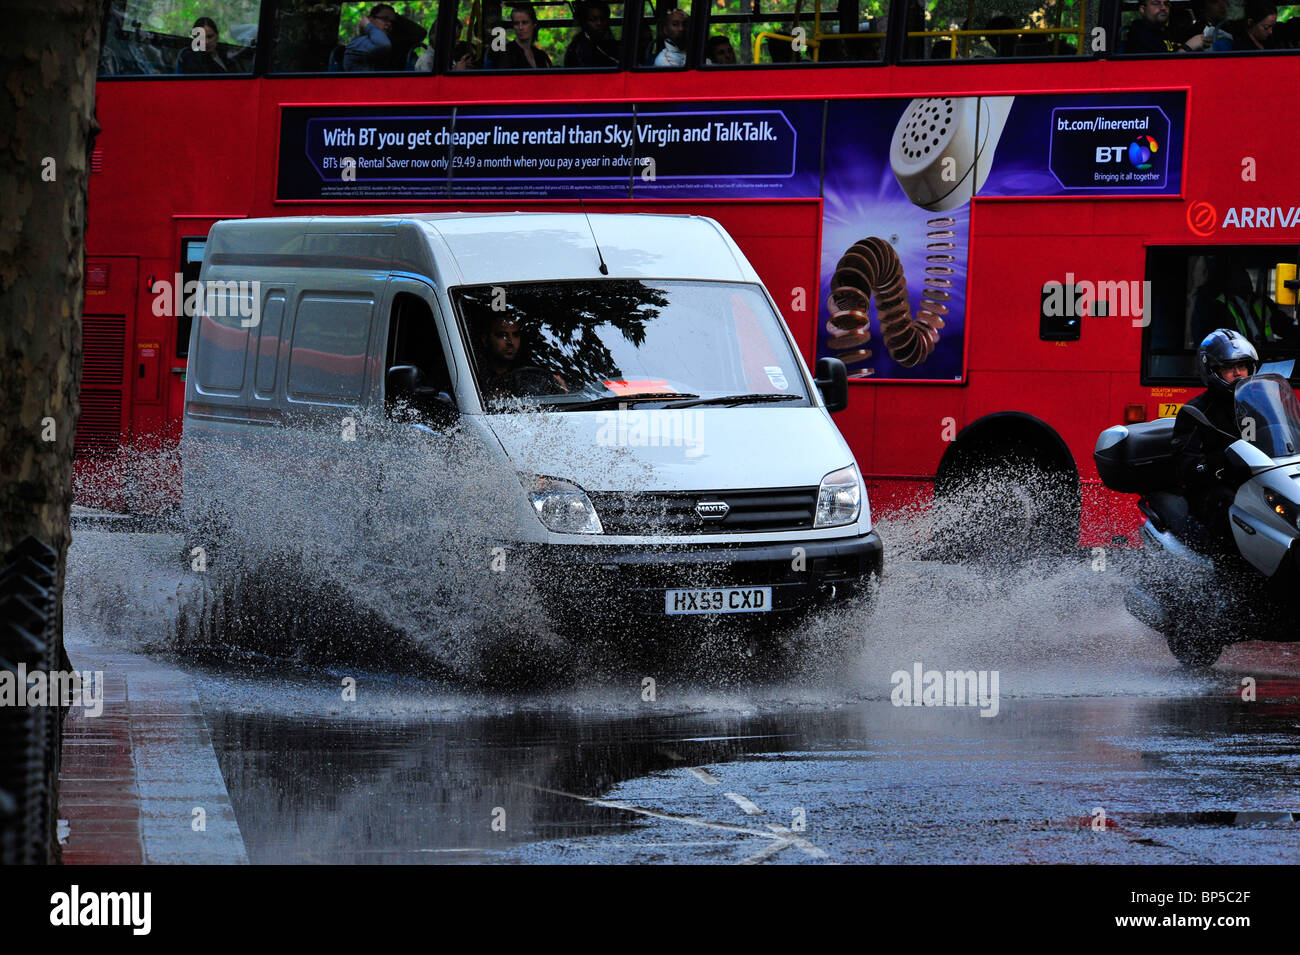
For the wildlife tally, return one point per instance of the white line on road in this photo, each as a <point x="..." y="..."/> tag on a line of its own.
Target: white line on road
<point x="781" y="836"/>
<point x="689" y="820"/>
<point x="704" y="776"/>
<point x="763" y="853"/>
<point x="807" y="847"/>
<point x="746" y="806"/>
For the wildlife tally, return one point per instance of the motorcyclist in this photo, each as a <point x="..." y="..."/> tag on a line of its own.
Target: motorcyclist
<point x="1225" y="356"/>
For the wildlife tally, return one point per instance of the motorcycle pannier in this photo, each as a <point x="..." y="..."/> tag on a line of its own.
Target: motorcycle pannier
<point x="1137" y="458"/>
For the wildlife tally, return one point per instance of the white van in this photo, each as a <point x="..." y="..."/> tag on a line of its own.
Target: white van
<point x="628" y="377"/>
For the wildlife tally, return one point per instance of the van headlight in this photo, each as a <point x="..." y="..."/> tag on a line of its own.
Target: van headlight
<point x="839" y="499"/>
<point x="562" y="506"/>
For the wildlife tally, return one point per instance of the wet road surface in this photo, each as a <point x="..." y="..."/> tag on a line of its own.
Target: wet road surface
<point x="1101" y="750"/>
<point x="1207" y="779"/>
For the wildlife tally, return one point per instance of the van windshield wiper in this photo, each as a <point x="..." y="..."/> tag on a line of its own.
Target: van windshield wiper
<point x="733" y="400"/>
<point x="613" y="401"/>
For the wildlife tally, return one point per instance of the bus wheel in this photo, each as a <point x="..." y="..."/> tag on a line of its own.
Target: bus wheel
<point x="1194" y="650"/>
<point x="1005" y="505"/>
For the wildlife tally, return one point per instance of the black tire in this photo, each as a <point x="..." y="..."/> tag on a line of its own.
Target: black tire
<point x="1194" y="651"/>
<point x="1005" y="505"/>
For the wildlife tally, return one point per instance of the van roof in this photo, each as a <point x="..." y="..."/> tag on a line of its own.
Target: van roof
<point x="474" y="248"/>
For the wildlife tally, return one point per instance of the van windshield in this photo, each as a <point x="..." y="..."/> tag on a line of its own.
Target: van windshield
<point x="578" y="345"/>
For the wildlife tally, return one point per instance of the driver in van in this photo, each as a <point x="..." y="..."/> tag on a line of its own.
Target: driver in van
<point x="1225" y="356"/>
<point x="508" y="372"/>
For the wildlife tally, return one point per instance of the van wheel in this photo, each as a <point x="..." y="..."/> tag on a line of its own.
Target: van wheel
<point x="1006" y="504"/>
<point x="1197" y="651"/>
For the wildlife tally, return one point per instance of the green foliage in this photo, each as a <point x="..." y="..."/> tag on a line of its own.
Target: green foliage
<point x="176" y="17"/>
<point x="778" y="16"/>
<point x="971" y="14"/>
<point x="423" y="12"/>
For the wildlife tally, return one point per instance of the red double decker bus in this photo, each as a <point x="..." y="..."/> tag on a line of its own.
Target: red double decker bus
<point x="1013" y="224"/>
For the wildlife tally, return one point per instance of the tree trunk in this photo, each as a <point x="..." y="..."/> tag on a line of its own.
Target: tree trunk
<point x="51" y="53"/>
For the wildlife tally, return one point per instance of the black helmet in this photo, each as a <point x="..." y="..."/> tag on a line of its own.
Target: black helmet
<point x="1223" y="346"/>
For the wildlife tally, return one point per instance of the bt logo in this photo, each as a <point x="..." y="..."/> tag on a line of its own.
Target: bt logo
<point x="1139" y="152"/>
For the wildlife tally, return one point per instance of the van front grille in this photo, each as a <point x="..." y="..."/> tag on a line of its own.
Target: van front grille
<point x="669" y="513"/>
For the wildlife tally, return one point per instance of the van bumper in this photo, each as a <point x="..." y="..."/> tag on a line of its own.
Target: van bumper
<point x="615" y="580"/>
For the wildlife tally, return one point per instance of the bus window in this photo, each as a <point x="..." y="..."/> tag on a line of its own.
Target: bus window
<point x="1162" y="26"/>
<point x="764" y="32"/>
<point x="986" y="29"/>
<point x="543" y="34"/>
<point x="1195" y="290"/>
<point x="667" y="37"/>
<point x="313" y="37"/>
<point x="158" y="37"/>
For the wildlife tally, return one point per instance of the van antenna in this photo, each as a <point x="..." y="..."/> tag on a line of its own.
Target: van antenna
<point x="604" y="269"/>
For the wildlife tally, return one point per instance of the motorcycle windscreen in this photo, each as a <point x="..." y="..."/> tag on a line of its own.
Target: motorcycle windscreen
<point x="1268" y="415"/>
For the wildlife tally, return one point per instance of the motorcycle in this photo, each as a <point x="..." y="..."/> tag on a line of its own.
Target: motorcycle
<point x="1201" y="600"/>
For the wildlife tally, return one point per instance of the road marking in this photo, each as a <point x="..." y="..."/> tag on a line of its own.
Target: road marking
<point x="725" y="739"/>
<point x="746" y="806"/>
<point x="804" y="845"/>
<point x="764" y="852"/>
<point x="703" y="776"/>
<point x="654" y="814"/>
<point x="781" y="836"/>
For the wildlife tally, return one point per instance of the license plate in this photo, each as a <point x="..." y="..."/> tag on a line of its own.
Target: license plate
<point x="720" y="600"/>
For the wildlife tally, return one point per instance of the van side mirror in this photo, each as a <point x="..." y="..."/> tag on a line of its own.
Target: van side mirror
<point x="405" y="383"/>
<point x="833" y="382"/>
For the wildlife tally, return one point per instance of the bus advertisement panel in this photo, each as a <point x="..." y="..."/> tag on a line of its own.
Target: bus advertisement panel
<point x="895" y="176"/>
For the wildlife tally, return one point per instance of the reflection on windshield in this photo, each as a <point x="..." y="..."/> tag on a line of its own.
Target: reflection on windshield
<point x="582" y="344"/>
<point x="1268" y="415"/>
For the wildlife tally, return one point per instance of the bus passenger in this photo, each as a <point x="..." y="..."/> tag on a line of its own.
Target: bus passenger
<point x="1255" y="30"/>
<point x="1149" y="33"/>
<point x="207" y="60"/>
<point x="595" y="45"/>
<point x="1209" y="21"/>
<point x="522" y="53"/>
<point x="462" y="57"/>
<point x="999" y="44"/>
<point x="720" y="51"/>
<point x="373" y="49"/>
<point x="674" y="32"/>
<point x="783" y="51"/>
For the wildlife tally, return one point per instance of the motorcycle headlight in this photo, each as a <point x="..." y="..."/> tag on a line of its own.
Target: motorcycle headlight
<point x="839" y="499"/>
<point x="562" y="506"/>
<point x="1281" y="506"/>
